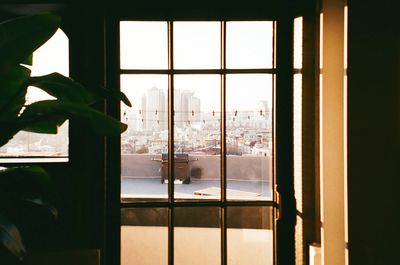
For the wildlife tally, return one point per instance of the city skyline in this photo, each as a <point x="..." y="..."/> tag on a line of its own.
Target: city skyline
<point x="152" y="112"/>
<point x="241" y="91"/>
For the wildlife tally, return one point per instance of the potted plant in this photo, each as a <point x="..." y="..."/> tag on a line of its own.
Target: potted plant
<point x="23" y="188"/>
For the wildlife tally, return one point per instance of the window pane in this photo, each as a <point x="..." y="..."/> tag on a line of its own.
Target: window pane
<point x="250" y="235"/>
<point x="147" y="136"/>
<point x="297" y="140"/>
<point x="197" y="236"/>
<point x="299" y="241"/>
<point x="298" y="43"/>
<point x="249" y="44"/>
<point x="249" y="136"/>
<point x="144" y="236"/>
<point x="53" y="56"/>
<point x="197" y="45"/>
<point x="144" y="45"/>
<point x="197" y="135"/>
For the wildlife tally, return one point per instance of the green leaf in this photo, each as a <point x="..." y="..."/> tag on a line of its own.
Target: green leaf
<point x="20" y="37"/>
<point x="28" y="60"/>
<point x="37" y="205"/>
<point x="8" y="129"/>
<point x="124" y="98"/>
<point x="46" y="125"/>
<point x="62" y="88"/>
<point x="24" y="181"/>
<point x="13" y="91"/>
<point x="44" y="112"/>
<point x="38" y="123"/>
<point x="10" y="238"/>
<point x="113" y="94"/>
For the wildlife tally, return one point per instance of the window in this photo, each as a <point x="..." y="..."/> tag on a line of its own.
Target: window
<point x="51" y="57"/>
<point x="297" y="135"/>
<point x="202" y="94"/>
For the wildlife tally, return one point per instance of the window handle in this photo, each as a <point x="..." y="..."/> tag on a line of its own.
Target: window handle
<point x="278" y="205"/>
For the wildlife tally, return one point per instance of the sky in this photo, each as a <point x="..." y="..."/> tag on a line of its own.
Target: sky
<point x="197" y="45"/>
<point x="53" y="56"/>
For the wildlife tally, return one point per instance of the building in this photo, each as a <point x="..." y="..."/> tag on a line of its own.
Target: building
<point x="154" y="110"/>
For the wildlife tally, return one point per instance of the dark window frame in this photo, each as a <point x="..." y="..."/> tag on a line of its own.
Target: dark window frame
<point x="114" y="176"/>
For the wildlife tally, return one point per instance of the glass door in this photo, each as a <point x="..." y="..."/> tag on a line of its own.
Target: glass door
<point x="197" y="183"/>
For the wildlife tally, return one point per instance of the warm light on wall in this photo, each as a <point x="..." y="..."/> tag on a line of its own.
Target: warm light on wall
<point x="332" y="132"/>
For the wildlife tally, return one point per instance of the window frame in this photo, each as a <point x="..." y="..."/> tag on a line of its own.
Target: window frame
<point x="95" y="60"/>
<point x="113" y="178"/>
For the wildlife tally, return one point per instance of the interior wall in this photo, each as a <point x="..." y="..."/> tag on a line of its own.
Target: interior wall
<point x="373" y="132"/>
<point x="332" y="156"/>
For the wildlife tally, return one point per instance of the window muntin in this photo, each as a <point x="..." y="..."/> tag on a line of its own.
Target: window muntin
<point x="198" y="114"/>
<point x="231" y="222"/>
<point x="53" y="56"/>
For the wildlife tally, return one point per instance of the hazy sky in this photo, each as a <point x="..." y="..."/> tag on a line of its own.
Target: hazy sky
<point x="197" y="45"/>
<point x="53" y="56"/>
<point x="144" y="45"/>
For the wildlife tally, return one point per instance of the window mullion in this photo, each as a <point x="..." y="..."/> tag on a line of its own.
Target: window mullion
<point x="223" y="147"/>
<point x="170" y="147"/>
<point x="199" y="71"/>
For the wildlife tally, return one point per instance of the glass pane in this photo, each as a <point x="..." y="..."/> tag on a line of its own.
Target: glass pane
<point x="249" y="136"/>
<point x="144" y="236"/>
<point x="197" y="45"/>
<point x="249" y="44"/>
<point x="299" y="241"/>
<point x="143" y="45"/>
<point x="298" y="43"/>
<point x="53" y="56"/>
<point x="147" y="136"/>
<point x="250" y="237"/>
<point x="297" y="140"/>
<point x="197" y="236"/>
<point x="197" y="136"/>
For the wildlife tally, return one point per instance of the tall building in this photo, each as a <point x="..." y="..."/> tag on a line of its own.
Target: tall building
<point x="154" y="113"/>
<point x="182" y="105"/>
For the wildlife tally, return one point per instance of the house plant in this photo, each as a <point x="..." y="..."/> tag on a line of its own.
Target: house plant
<point x="23" y="189"/>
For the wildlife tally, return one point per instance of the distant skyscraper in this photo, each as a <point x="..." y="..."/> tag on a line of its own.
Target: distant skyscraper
<point x="182" y="106"/>
<point x="153" y="113"/>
